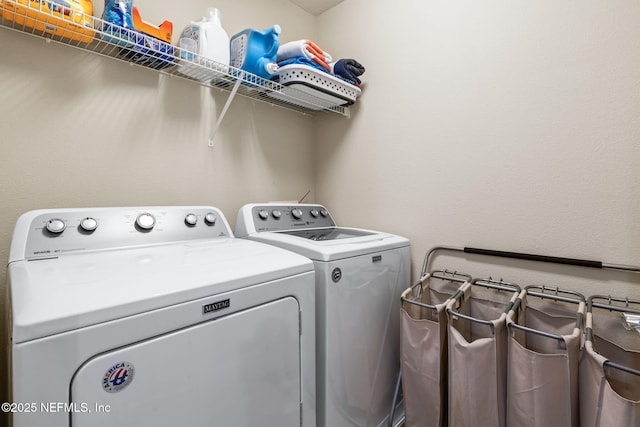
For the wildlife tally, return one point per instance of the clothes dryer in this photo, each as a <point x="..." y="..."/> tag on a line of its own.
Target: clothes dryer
<point x="360" y="275"/>
<point x="157" y="316"/>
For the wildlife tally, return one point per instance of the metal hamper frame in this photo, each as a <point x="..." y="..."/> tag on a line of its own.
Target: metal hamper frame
<point x="513" y="255"/>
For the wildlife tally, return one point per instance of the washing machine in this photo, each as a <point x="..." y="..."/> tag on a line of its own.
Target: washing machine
<point x="360" y="275"/>
<point x="157" y="316"/>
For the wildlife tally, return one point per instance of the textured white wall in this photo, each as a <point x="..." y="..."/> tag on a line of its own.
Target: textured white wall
<point x="78" y="130"/>
<point x="504" y="124"/>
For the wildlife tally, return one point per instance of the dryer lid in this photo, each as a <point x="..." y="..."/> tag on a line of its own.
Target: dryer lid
<point x="51" y="296"/>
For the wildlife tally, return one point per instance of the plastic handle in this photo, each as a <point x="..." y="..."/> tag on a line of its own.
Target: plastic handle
<point x="532" y="257"/>
<point x="275" y="43"/>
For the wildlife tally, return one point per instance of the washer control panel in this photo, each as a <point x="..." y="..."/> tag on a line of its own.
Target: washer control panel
<point x="50" y="233"/>
<point x="274" y="217"/>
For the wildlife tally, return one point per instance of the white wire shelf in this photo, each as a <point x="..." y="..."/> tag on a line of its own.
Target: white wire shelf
<point x="96" y="36"/>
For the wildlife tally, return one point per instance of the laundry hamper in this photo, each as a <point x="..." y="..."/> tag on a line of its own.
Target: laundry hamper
<point x="477" y="351"/>
<point x="610" y="365"/>
<point x="423" y="347"/>
<point x="545" y="329"/>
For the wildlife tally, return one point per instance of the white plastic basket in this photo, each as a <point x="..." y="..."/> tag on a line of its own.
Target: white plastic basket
<point x="325" y="90"/>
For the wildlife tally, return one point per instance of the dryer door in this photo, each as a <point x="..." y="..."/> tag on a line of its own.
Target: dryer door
<point x="239" y="370"/>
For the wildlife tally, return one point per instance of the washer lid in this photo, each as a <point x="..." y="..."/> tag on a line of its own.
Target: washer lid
<point x="50" y="296"/>
<point x="335" y="233"/>
<point x="349" y="242"/>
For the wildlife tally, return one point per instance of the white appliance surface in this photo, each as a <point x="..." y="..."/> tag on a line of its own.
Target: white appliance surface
<point x="80" y="290"/>
<point x="360" y="275"/>
<point x="324" y="241"/>
<point x="157" y="316"/>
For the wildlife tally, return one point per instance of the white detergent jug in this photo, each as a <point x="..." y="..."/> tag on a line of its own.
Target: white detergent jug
<point x="209" y="41"/>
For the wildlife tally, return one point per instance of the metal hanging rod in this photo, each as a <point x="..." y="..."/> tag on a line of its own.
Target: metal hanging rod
<point x="554" y="296"/>
<point x="610" y="306"/>
<point x="620" y="367"/>
<point x="453" y="276"/>
<point x="533" y="257"/>
<point x="500" y="285"/>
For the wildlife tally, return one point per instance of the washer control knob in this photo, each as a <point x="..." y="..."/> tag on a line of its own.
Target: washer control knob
<point x="88" y="224"/>
<point x="263" y="214"/>
<point x="297" y="213"/>
<point x="146" y="221"/>
<point x="276" y="213"/>
<point x="191" y="220"/>
<point x="314" y="213"/>
<point x="324" y="212"/>
<point x="210" y="218"/>
<point x="55" y="226"/>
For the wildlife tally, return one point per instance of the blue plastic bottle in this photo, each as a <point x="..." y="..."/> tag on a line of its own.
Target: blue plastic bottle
<point x="255" y="51"/>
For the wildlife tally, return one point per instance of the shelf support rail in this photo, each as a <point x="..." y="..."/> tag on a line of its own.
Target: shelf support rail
<point x="226" y="107"/>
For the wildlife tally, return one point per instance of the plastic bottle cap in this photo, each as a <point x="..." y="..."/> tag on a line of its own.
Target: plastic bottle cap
<point x="272" y="67"/>
<point x="213" y="14"/>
